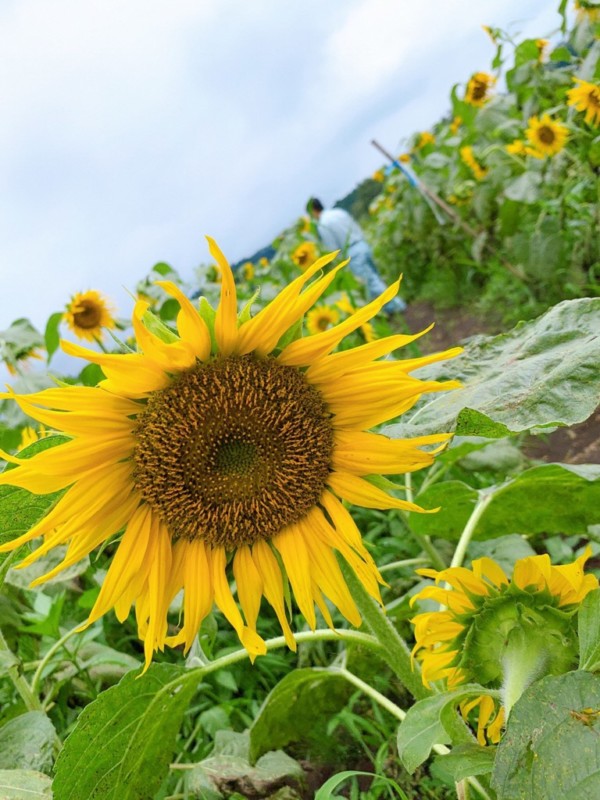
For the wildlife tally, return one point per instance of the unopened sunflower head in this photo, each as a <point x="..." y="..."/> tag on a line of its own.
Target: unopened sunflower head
<point x="87" y="314"/>
<point x="500" y="632"/>
<point x="215" y="452"/>
<point x="585" y="96"/>
<point x="478" y="89"/>
<point x="305" y="254"/>
<point x="548" y="136"/>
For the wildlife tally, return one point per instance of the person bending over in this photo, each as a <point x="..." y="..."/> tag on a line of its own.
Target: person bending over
<point x="338" y="230"/>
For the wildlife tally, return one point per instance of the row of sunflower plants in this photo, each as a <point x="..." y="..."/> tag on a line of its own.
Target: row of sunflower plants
<point x="516" y="159"/>
<point x="242" y="555"/>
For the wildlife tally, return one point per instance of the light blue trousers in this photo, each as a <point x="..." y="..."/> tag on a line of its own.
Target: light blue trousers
<point x="362" y="265"/>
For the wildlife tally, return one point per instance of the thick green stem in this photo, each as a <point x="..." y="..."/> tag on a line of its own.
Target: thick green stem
<point x="406" y="562"/>
<point x="394" y="649"/>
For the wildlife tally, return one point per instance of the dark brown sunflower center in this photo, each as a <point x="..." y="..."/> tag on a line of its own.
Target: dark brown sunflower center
<point x="233" y="451"/>
<point x="88" y="316"/>
<point x="546" y="134"/>
<point x="479" y="90"/>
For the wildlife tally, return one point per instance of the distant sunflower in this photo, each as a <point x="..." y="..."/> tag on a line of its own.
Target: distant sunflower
<point x="468" y="158"/>
<point x="304" y="254"/>
<point x="586" y="97"/>
<point x="87" y="314"/>
<point x="423" y="139"/>
<point x="455" y="124"/>
<point x="541" y="45"/>
<point x="404" y="158"/>
<point x="519" y="148"/>
<point x="478" y="89"/>
<point x="321" y="318"/>
<point x="264" y="262"/>
<point x="379" y="176"/>
<point x="490" y="627"/>
<point x="588" y="11"/>
<point x="248" y="271"/>
<point x="217" y="445"/>
<point x="547" y="135"/>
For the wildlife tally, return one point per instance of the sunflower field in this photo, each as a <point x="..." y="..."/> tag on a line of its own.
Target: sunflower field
<point x="265" y="537"/>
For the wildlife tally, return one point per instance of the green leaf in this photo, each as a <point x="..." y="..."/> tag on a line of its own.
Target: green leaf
<point x="543" y="372"/>
<point x="473" y="423"/>
<point x="423" y="725"/>
<point x="326" y="790"/>
<point x="52" y="333"/>
<point x="456" y="500"/>
<point x="551" y="748"/>
<point x="123" y="742"/>
<point x="162" y="268"/>
<point x="298" y="709"/>
<point x="468" y="759"/>
<point x="588" y="620"/>
<point x="553" y="498"/>
<point x="26" y="742"/>
<point x="20" y="509"/>
<point x="24" y="784"/>
<point x="524" y="189"/>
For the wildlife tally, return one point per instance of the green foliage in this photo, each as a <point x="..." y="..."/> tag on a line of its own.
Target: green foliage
<point x="589" y="632"/>
<point x="24" y="784"/>
<point x="26" y="742"/>
<point x="297" y="710"/>
<point x="126" y="737"/>
<point x="552" y="744"/>
<point x="542" y="373"/>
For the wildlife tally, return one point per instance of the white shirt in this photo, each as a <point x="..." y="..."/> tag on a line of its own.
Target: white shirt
<point x="338" y="230"/>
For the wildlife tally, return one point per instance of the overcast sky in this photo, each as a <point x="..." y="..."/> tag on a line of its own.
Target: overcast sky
<point x="130" y="128"/>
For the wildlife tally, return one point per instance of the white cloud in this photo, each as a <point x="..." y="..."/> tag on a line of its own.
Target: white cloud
<point x="132" y="128"/>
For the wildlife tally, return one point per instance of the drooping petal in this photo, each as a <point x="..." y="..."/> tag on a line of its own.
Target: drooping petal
<point x="190" y="324"/>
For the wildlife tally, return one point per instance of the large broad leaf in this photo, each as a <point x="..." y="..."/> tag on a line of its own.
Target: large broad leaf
<point x="468" y="759"/>
<point x="298" y="710"/>
<point x="553" y="498"/>
<point x="551" y="748"/>
<point x="24" y="784"/>
<point x="588" y="620"/>
<point x="542" y="373"/>
<point x="423" y="727"/>
<point x="26" y="742"/>
<point x="123" y="742"/>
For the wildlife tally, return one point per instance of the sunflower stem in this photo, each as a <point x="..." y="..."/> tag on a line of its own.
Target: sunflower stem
<point x="379" y="698"/>
<point x="469" y="529"/>
<point x="32" y="702"/>
<point x="394" y="649"/>
<point x="37" y="676"/>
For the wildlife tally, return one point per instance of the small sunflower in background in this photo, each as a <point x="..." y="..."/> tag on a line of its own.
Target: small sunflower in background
<point x="248" y="271"/>
<point x="585" y="96"/>
<point x="379" y="176"/>
<point x="455" y="124"/>
<point x="87" y="314"/>
<point x="423" y="139"/>
<point x="542" y="45"/>
<point x="263" y="262"/>
<point x="216" y="451"/>
<point x="478" y="89"/>
<point x="519" y="148"/>
<point x="468" y="158"/>
<point x="404" y="158"/>
<point x="321" y="318"/>
<point x="500" y="633"/>
<point x="548" y="136"/>
<point x="304" y="254"/>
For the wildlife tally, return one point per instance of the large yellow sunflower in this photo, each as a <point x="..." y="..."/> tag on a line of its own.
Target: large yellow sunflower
<point x="478" y="89"/>
<point x="215" y="446"/>
<point x="87" y="314"/>
<point x="489" y="627"/>
<point x="547" y="135"/>
<point x="586" y="97"/>
<point x="304" y="254"/>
